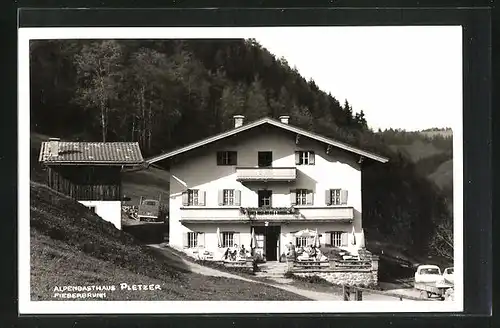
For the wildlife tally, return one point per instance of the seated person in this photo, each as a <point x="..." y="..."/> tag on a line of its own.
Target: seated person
<point x="303" y="256"/>
<point x="243" y="251"/>
<point x="318" y="254"/>
<point x="226" y="254"/>
<point x="313" y="251"/>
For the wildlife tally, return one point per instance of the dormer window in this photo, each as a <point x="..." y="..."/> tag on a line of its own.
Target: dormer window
<point x="227" y="158"/>
<point x="304" y="157"/>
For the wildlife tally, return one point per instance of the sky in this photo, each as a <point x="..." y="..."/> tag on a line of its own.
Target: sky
<point x="401" y="77"/>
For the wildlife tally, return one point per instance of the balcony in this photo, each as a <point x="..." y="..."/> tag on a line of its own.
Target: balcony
<point x="266" y="174"/>
<point x="259" y="214"/>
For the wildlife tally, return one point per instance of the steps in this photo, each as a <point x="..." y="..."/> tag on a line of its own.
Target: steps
<point x="272" y="270"/>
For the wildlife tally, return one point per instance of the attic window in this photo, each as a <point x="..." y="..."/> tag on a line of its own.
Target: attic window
<point x="304" y="158"/>
<point x="227" y="158"/>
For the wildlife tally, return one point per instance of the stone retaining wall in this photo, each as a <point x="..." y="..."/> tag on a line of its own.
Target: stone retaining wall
<point x="362" y="276"/>
<point x="351" y="278"/>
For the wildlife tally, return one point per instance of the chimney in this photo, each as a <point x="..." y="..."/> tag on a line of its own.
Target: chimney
<point x="53" y="147"/>
<point x="284" y="119"/>
<point x="238" y="120"/>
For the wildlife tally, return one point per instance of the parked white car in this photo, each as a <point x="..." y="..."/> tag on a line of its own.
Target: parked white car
<point x="448" y="275"/>
<point x="428" y="274"/>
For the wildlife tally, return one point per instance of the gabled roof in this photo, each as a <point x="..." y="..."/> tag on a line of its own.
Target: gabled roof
<point x="99" y="153"/>
<point x="273" y="122"/>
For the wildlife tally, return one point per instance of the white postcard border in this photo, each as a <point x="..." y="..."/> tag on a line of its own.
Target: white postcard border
<point x="26" y="306"/>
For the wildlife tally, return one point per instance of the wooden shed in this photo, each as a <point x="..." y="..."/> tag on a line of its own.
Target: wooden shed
<point x="90" y="172"/>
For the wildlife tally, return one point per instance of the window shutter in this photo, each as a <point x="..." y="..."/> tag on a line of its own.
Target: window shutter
<point x="220" y="197"/>
<point x="344" y="239"/>
<point x="328" y="238"/>
<point x="297" y="158"/>
<point x="219" y="157"/>
<point x="309" y="197"/>
<point x="311" y="158"/>
<point x="237" y="197"/>
<point x="201" y="239"/>
<point x="343" y="197"/>
<point x="234" y="158"/>
<point x="293" y="197"/>
<point x="328" y="197"/>
<point x="236" y="239"/>
<point x="185" y="200"/>
<point x="201" y="197"/>
<point x="185" y="240"/>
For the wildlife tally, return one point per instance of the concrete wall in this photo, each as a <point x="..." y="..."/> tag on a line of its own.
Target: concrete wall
<point x="199" y="170"/>
<point x="110" y="211"/>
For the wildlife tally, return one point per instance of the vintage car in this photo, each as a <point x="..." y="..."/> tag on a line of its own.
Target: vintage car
<point x="149" y="210"/>
<point x="428" y="274"/>
<point x="430" y="282"/>
<point x="448" y="275"/>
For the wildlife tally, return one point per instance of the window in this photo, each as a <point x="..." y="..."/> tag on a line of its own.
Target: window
<point x="91" y="208"/>
<point x="227" y="158"/>
<point x="302" y="241"/>
<point x="227" y="239"/>
<point x="336" y="197"/>
<point x="335" y="194"/>
<point x="265" y="158"/>
<point x="192" y="239"/>
<point x="336" y="238"/>
<point x="193" y="197"/>
<point x="264" y="198"/>
<point x="304" y="158"/>
<point x="228" y="198"/>
<point x="301" y="197"/>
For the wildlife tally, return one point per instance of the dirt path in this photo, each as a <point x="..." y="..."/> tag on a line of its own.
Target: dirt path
<point x="180" y="263"/>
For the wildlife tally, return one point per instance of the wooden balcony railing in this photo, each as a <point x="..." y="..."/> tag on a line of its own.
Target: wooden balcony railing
<point x="266" y="173"/>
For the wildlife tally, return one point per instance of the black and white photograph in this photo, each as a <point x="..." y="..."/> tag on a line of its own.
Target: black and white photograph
<point x="252" y="169"/>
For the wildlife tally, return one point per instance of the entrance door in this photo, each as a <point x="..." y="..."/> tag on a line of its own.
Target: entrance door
<point x="265" y="198"/>
<point x="268" y="241"/>
<point x="272" y="242"/>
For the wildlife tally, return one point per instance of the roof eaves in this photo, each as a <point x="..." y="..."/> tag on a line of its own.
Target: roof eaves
<point x="329" y="141"/>
<point x="206" y="141"/>
<point x="272" y="122"/>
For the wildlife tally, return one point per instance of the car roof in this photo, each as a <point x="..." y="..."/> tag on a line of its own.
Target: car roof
<point x="428" y="266"/>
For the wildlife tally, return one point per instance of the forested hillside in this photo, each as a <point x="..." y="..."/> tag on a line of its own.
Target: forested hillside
<point x="165" y="94"/>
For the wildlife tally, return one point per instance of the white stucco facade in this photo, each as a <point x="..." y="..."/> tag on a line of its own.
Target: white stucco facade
<point x="110" y="211"/>
<point x="338" y="169"/>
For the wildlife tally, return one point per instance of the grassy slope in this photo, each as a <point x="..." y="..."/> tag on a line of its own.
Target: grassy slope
<point x="443" y="176"/>
<point x="71" y="245"/>
<point x="147" y="183"/>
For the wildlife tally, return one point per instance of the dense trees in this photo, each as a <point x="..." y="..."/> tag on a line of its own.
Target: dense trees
<point x="165" y="94"/>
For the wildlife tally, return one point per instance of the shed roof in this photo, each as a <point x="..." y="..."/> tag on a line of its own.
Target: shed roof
<point x="97" y="153"/>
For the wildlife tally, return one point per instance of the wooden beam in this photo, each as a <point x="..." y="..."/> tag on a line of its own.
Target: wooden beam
<point x="328" y="149"/>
